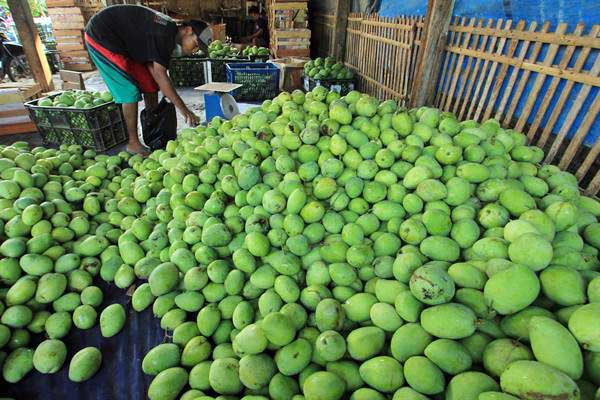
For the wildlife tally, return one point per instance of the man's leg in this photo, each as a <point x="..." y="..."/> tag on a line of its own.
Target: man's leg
<point x="130" y="112"/>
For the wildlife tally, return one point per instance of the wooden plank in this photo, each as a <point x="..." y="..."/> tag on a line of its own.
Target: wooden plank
<point x="60" y="3"/>
<point x="437" y="20"/>
<point x="68" y="33"/>
<point x="290" y="6"/>
<point x="479" y="78"/>
<point x="64" y="19"/>
<point x="569" y="74"/>
<point x="73" y="54"/>
<point x="539" y="81"/>
<point x="594" y="186"/>
<point x="66" y="47"/>
<point x="541" y="37"/>
<point x="491" y="74"/>
<point x="459" y="64"/>
<point x="503" y="71"/>
<point x="549" y="93"/>
<point x="587" y="163"/>
<point x="16" y="125"/>
<point x="12" y="110"/>
<point x="293" y="33"/>
<point x="537" y="47"/>
<point x="87" y="66"/>
<point x="572" y="115"/>
<point x="386" y="24"/>
<point x="60" y="11"/>
<point x="583" y="130"/>
<point x="449" y="65"/>
<point x="513" y="76"/>
<point x="564" y="96"/>
<point x="70" y="76"/>
<point x="379" y="39"/>
<point x="471" y="77"/>
<point x="72" y="86"/>
<point x="68" y="25"/>
<point x="32" y="45"/>
<point x="342" y="10"/>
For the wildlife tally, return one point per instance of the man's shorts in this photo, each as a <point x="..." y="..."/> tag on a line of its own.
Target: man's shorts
<point x="126" y="79"/>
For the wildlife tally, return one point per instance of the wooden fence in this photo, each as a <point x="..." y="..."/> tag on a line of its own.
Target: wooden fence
<point x="323" y="28"/>
<point x="537" y="81"/>
<point x="383" y="52"/>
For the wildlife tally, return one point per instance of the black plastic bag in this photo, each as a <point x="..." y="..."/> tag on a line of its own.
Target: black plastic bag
<point x="159" y="125"/>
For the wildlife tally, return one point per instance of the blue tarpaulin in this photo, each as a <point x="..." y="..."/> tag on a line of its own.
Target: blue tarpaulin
<point x="554" y="11"/>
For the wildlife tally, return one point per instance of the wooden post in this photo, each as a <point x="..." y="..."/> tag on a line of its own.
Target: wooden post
<point x="32" y="45"/>
<point x="342" y="10"/>
<point x="437" y="21"/>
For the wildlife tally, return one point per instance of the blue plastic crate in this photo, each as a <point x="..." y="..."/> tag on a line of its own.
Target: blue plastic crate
<point x="260" y="80"/>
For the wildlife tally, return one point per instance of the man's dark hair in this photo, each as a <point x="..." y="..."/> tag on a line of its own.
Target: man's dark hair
<point x="197" y="26"/>
<point x="254" y="10"/>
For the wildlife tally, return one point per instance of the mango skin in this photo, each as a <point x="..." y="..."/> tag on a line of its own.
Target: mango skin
<point x="449" y="321"/>
<point x="512" y="290"/>
<point x="501" y="352"/>
<point x="533" y="380"/>
<point x="112" y="320"/>
<point x="496" y="396"/>
<point x="449" y="355"/>
<point x="84" y="364"/>
<point x="423" y="375"/>
<point x="584" y="324"/>
<point x="161" y="357"/>
<point x="17" y="364"/>
<point x="554" y="345"/>
<point x="167" y="384"/>
<point x="517" y="325"/>
<point x="468" y="385"/>
<point x="49" y="356"/>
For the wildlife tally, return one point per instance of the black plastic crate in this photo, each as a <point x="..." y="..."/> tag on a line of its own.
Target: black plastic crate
<point x="98" y="128"/>
<point x="257" y="58"/>
<point x="342" y="86"/>
<point x="187" y="71"/>
<point x="260" y="81"/>
<point x="215" y="68"/>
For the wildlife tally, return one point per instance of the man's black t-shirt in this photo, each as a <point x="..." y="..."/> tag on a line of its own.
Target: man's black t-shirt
<point x="138" y="32"/>
<point x="262" y="23"/>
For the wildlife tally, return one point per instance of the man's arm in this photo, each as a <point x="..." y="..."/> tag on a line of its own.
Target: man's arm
<point x="159" y="73"/>
<point x="250" y="39"/>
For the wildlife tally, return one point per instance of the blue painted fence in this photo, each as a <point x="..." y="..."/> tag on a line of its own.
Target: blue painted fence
<point x="554" y="11"/>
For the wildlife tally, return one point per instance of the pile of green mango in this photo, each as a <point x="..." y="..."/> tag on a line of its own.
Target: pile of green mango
<point x="80" y="99"/>
<point x="218" y="49"/>
<point x="315" y="247"/>
<point x="327" y="68"/>
<point x="255" y="51"/>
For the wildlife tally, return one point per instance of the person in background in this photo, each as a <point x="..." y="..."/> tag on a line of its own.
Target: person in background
<point x="132" y="46"/>
<point x="260" y="34"/>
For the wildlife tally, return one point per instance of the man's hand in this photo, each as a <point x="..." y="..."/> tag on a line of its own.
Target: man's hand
<point x="159" y="73"/>
<point x="190" y="118"/>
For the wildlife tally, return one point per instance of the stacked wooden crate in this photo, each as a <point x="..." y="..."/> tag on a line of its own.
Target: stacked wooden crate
<point x="14" y="118"/>
<point x="288" y="23"/>
<point x="69" y="18"/>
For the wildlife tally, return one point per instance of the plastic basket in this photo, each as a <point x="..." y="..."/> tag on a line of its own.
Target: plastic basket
<point x="342" y="86"/>
<point x="215" y="68"/>
<point x="98" y="128"/>
<point x="187" y="71"/>
<point x="260" y="80"/>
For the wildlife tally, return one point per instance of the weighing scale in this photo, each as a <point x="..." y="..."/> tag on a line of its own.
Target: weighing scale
<point x="218" y="102"/>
